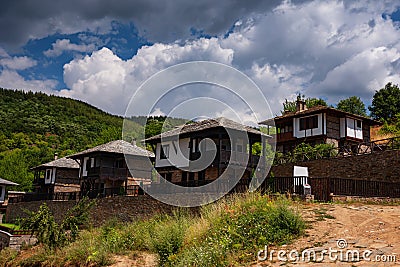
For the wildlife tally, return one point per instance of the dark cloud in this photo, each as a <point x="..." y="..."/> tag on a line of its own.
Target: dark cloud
<point x="158" y="21"/>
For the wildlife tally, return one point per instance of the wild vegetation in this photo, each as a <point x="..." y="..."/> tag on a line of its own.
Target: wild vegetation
<point x="229" y="232"/>
<point x="43" y="225"/>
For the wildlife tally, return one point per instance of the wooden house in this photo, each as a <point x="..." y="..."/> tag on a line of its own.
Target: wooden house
<point x="3" y="184"/>
<point x="221" y="142"/>
<point x="110" y="166"/>
<point x="319" y="125"/>
<point x="59" y="175"/>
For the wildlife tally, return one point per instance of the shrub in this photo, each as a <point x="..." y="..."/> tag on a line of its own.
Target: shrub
<point x="49" y="232"/>
<point x="242" y="227"/>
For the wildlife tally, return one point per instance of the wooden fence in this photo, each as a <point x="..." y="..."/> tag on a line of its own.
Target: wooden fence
<point x="322" y="188"/>
<point x="132" y="190"/>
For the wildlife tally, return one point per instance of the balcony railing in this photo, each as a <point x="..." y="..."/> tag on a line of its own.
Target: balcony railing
<point x="108" y="172"/>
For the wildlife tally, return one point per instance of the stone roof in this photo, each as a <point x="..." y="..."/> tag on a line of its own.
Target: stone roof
<point x="206" y="124"/>
<point x="59" y="163"/>
<point x="317" y="109"/>
<point x="6" y="182"/>
<point x="116" y="147"/>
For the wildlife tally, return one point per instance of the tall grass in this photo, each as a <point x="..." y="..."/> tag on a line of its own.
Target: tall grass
<point x="228" y="232"/>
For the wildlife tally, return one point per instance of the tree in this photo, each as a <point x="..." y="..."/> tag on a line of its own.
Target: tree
<point x="14" y="167"/>
<point x="386" y="103"/>
<point x="353" y="105"/>
<point x="310" y="102"/>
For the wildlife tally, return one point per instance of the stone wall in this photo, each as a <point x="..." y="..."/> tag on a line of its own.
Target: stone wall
<point x="15" y="241"/>
<point x="124" y="208"/>
<point x="380" y="166"/>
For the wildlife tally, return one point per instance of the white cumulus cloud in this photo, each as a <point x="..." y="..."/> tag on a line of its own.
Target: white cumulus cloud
<point x="17" y="63"/>
<point x="62" y="45"/>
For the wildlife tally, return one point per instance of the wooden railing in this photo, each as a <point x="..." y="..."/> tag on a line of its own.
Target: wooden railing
<point x="132" y="190"/>
<point x="343" y="151"/>
<point x="322" y="188"/>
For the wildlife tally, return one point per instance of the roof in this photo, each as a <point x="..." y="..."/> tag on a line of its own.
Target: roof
<point x="116" y="147"/>
<point x="318" y="109"/>
<point x="6" y="182"/>
<point x="59" y="163"/>
<point x="206" y="124"/>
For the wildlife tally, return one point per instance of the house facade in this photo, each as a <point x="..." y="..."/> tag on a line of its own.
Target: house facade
<point x="319" y="125"/>
<point x="198" y="153"/>
<point x="3" y="184"/>
<point x="59" y="175"/>
<point x="111" y="165"/>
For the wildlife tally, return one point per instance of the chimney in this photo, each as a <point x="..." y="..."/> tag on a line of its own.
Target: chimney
<point x="55" y="156"/>
<point x="133" y="142"/>
<point x="300" y="105"/>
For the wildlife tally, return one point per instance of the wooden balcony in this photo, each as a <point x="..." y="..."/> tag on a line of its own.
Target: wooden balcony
<point x="108" y="172"/>
<point x="283" y="137"/>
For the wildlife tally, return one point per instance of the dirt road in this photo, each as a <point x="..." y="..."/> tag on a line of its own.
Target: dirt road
<point x="346" y="228"/>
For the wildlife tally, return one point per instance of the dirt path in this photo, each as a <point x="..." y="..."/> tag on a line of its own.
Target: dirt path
<point x="139" y="259"/>
<point x="374" y="228"/>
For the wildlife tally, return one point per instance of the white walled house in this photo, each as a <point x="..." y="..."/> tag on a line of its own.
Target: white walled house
<point x="114" y="165"/>
<point x="319" y="125"/>
<point x="200" y="152"/>
<point x="59" y="175"/>
<point x="3" y="184"/>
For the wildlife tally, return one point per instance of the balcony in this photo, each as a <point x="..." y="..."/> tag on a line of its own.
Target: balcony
<point x="283" y="137"/>
<point x="240" y="158"/>
<point x="108" y="172"/>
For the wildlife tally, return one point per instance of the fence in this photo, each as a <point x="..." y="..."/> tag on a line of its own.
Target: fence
<point x="322" y="188"/>
<point x="343" y="151"/>
<point x="132" y="190"/>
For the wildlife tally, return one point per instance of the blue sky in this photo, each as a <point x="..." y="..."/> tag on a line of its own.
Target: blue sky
<point x="101" y="52"/>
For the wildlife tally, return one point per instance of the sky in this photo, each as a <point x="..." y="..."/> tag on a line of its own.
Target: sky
<point x="102" y="51"/>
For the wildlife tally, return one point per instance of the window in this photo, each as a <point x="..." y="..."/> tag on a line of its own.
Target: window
<point x="184" y="176"/>
<point x="91" y="162"/>
<point x="358" y="124"/>
<point x="164" y="152"/>
<point x="201" y="176"/>
<point x="309" y="123"/>
<point x="119" y="163"/>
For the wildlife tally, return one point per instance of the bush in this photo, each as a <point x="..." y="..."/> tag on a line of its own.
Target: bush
<point x="241" y="228"/>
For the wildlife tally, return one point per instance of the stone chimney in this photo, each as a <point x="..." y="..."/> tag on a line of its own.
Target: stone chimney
<point x="133" y="142"/>
<point x="300" y="105"/>
<point x="55" y="156"/>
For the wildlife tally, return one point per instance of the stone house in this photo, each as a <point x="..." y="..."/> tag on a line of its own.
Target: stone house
<point x="319" y="125"/>
<point x="113" y="166"/>
<point x="59" y="175"/>
<point x="3" y="184"/>
<point x="200" y="152"/>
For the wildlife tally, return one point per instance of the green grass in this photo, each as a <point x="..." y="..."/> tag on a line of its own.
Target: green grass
<point x="10" y="225"/>
<point x="227" y="233"/>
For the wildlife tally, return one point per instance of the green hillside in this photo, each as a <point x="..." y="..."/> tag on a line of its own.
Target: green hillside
<point x="34" y="126"/>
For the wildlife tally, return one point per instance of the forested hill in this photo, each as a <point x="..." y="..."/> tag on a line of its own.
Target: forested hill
<point x="34" y="126"/>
